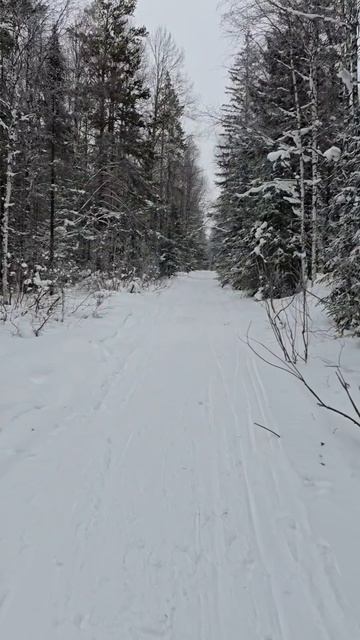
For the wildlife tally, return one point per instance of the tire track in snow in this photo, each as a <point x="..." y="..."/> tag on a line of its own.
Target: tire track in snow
<point x="276" y="542"/>
<point x="339" y="604"/>
<point x="36" y="441"/>
<point x="250" y="502"/>
<point x="91" y="508"/>
<point x="249" y="452"/>
<point x="107" y="387"/>
<point x="111" y="381"/>
<point x="187" y="517"/>
<point x="218" y="545"/>
<point x="330" y="604"/>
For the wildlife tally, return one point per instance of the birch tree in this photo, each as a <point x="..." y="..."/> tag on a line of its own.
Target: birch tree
<point x="97" y="172"/>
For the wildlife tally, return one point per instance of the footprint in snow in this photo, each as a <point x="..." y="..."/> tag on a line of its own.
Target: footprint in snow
<point x="81" y="621"/>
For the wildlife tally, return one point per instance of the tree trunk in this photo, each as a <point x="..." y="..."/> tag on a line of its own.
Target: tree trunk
<point x="299" y="144"/>
<point x="313" y="74"/>
<point x="315" y="176"/>
<point x="6" y="212"/>
<point x="52" y="203"/>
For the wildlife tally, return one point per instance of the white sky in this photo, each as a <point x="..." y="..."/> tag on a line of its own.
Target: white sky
<point x="195" y="26"/>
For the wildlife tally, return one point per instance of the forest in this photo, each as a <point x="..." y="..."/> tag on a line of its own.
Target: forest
<point x="289" y="153"/>
<point x="98" y="174"/>
<point x="179" y="328"/>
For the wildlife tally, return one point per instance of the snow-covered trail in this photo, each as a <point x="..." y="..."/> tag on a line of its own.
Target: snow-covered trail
<point x="137" y="498"/>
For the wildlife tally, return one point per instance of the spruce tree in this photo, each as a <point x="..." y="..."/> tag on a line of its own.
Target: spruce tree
<point x="343" y="250"/>
<point x="112" y="57"/>
<point x="57" y="134"/>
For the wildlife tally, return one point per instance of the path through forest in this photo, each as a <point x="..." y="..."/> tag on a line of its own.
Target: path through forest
<point x="138" y="499"/>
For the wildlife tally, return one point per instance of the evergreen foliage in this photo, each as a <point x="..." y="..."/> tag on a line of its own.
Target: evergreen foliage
<point x="92" y="176"/>
<point x="289" y="155"/>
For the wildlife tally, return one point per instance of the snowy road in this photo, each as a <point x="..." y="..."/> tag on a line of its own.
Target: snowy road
<point x="139" y="501"/>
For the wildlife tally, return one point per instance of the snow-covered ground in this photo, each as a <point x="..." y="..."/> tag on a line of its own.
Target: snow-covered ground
<point x="138" y="499"/>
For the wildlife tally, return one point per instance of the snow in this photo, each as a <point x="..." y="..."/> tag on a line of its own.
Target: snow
<point x="260" y="230"/>
<point x="333" y="154"/>
<point x="139" y="500"/>
<point x="280" y="155"/>
<point x="313" y="16"/>
<point x="346" y="78"/>
<point x="281" y="185"/>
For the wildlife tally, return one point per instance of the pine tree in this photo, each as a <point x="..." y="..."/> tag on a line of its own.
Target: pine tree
<point x="344" y="247"/>
<point x="112" y="57"/>
<point x="237" y="159"/>
<point x="272" y="223"/>
<point x="91" y="178"/>
<point x="194" y="243"/>
<point x="57" y="132"/>
<point x="21" y="59"/>
<point x="258" y="222"/>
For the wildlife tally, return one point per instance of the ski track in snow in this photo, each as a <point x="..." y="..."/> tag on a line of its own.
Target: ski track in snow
<point x="139" y="500"/>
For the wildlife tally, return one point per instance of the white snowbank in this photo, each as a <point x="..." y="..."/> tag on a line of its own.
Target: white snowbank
<point x="333" y="154"/>
<point x="280" y="155"/>
<point x="346" y="78"/>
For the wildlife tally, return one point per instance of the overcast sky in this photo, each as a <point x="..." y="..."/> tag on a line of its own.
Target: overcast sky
<point x="195" y="25"/>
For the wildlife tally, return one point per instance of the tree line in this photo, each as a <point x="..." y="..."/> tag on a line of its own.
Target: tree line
<point x="289" y="153"/>
<point x="97" y="172"/>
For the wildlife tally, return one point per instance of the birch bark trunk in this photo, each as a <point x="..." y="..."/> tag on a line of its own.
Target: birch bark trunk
<point x="11" y="152"/>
